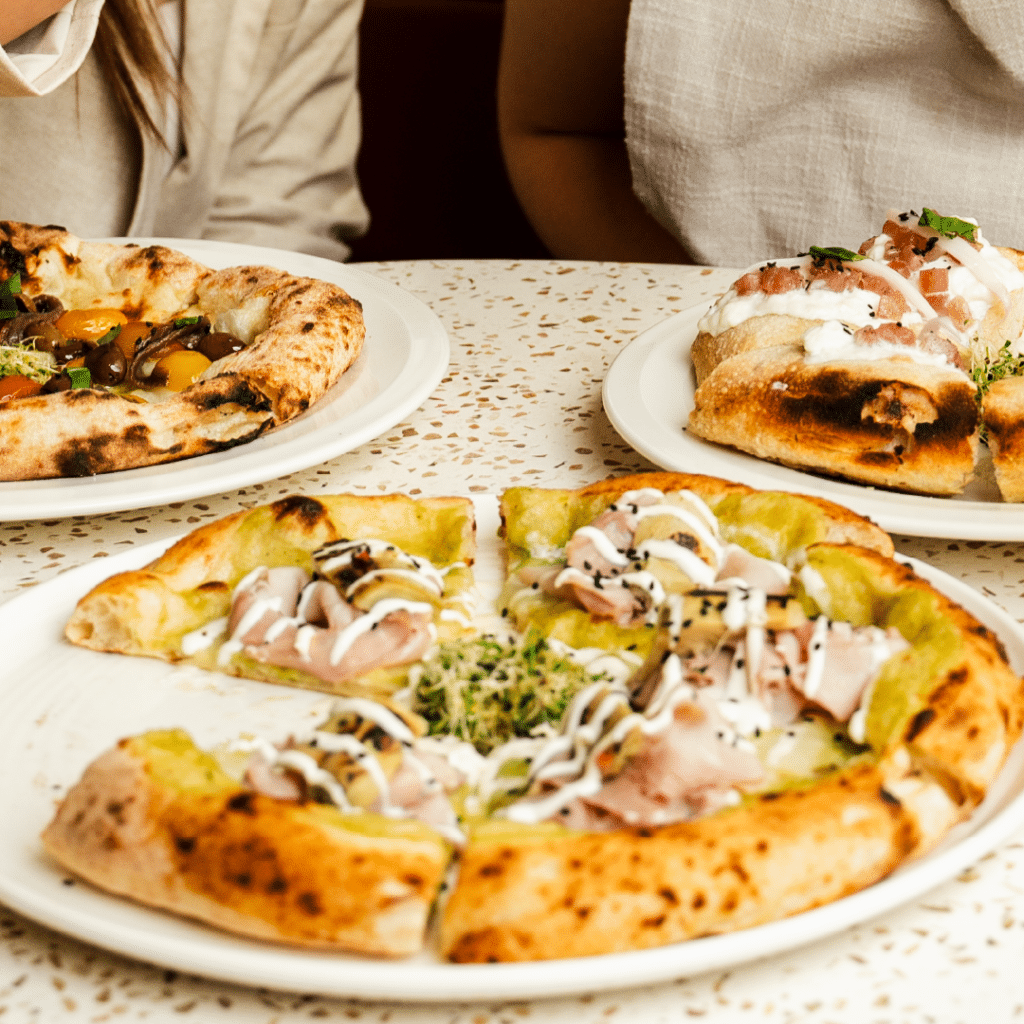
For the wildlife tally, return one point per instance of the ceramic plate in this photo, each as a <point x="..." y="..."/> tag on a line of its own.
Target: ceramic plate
<point x="403" y="359"/>
<point x="648" y="395"/>
<point x="63" y="706"/>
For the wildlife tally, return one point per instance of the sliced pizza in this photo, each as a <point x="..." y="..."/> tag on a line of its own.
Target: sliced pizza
<point x="118" y="356"/>
<point x="859" y="365"/>
<point x="717" y="707"/>
<point x="340" y="593"/>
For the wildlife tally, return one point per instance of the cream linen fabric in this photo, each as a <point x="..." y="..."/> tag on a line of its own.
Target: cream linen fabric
<point x="268" y="147"/>
<point x="758" y="129"/>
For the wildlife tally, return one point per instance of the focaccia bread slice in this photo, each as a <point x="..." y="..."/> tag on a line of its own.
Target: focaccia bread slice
<point x="299" y="334"/>
<point x="539" y="523"/>
<point x="889" y="423"/>
<point x="160" y="821"/>
<point x="392" y="548"/>
<point x="940" y="719"/>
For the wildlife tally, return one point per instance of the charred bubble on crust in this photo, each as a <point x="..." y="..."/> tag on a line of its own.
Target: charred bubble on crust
<point x="12" y="258"/>
<point x="919" y="722"/>
<point x="242" y="803"/>
<point x="308" y="511"/>
<point x="239" y="393"/>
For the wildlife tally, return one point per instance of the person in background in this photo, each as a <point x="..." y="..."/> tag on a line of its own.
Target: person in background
<point x="728" y="132"/>
<point x="231" y="120"/>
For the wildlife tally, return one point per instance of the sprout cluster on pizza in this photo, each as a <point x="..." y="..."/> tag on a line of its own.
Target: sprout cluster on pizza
<point x="713" y="708"/>
<point x="876" y="366"/>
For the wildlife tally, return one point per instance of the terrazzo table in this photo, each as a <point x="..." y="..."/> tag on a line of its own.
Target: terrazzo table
<point x="521" y="404"/>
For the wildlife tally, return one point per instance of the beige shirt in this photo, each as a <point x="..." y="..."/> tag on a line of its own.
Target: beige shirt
<point x="758" y="129"/>
<point x="266" y="153"/>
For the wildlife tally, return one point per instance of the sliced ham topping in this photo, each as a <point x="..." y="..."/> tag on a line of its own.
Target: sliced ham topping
<point x="842" y="662"/>
<point x="739" y="563"/>
<point x="278" y="618"/>
<point x="681" y="771"/>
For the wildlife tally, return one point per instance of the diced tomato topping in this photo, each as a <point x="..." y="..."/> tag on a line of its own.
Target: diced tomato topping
<point x="890" y="332"/>
<point x="17" y="385"/>
<point x="935" y="281"/>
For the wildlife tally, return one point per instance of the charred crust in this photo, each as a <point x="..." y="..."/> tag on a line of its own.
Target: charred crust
<point x="653" y="922"/>
<point x="308" y="511"/>
<point x="698" y="901"/>
<point x="277" y="885"/>
<point x="307" y="327"/>
<point x="12" y="259"/>
<point x="239" y="393"/>
<point x="184" y="844"/>
<point x="919" y="722"/>
<point x="887" y="797"/>
<point x="310" y="903"/>
<point x="212" y="586"/>
<point x="241" y="803"/>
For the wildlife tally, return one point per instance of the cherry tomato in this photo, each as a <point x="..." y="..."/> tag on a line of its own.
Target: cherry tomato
<point x="89" y="324"/>
<point x="180" y="369"/>
<point x="17" y="385"/>
<point x="130" y="334"/>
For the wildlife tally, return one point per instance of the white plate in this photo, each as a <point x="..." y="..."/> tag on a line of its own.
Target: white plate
<point x="63" y="706"/>
<point x="648" y="395"/>
<point x="404" y="357"/>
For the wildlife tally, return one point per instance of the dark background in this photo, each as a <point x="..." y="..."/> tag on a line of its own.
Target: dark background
<point x="430" y="165"/>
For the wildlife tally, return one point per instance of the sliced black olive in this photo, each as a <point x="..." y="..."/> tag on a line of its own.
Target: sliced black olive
<point x="161" y="341"/>
<point x="219" y="344"/>
<point x="58" y="382"/>
<point x="107" y="364"/>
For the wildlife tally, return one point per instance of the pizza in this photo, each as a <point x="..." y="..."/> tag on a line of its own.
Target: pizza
<point x="712" y="708"/>
<point x="119" y="356"/>
<point x="870" y="366"/>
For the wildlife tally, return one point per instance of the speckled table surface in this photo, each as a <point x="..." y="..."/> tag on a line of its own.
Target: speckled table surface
<point x="521" y="403"/>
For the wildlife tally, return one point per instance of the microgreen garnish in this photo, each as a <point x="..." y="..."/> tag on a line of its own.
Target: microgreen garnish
<point x="995" y="367"/>
<point x="487" y="691"/>
<point x="186" y="321"/>
<point x="949" y="227"/>
<point x="80" y="376"/>
<point x="8" y="289"/>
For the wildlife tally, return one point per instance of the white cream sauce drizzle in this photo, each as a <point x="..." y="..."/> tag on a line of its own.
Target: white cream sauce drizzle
<point x="358" y="627"/>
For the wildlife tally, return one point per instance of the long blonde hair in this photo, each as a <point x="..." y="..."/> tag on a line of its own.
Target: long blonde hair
<point x="133" y="55"/>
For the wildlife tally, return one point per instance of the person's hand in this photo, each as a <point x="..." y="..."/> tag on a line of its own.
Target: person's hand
<point x="18" y="16"/>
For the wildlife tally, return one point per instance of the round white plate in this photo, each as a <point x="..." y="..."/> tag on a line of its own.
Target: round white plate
<point x="403" y="359"/>
<point x="648" y="395"/>
<point x="63" y="706"/>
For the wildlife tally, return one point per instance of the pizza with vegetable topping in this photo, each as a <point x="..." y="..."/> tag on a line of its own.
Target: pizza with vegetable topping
<point x="711" y="708"/>
<point x="871" y="365"/>
<point x="119" y="356"/>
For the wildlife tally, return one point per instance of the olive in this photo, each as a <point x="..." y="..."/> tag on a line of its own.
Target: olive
<point x="107" y="364"/>
<point x="67" y="350"/>
<point x="58" y="382"/>
<point x="219" y="344"/>
<point x="45" y="337"/>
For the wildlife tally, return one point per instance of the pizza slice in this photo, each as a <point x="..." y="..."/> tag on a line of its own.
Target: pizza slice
<point x="338" y="840"/>
<point x="118" y="356"/>
<point x="859" y="365"/>
<point x="340" y="593"/>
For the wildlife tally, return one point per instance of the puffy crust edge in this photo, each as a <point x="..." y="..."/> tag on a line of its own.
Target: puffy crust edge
<point x="888" y="423"/>
<point x="265" y="868"/>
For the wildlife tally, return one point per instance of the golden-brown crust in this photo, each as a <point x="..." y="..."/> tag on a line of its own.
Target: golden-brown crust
<point x="1003" y="415"/>
<point x="269" y="869"/>
<point x="888" y="423"/>
<point x="303" y="335"/>
<point x="552" y="893"/>
<point x="843" y="526"/>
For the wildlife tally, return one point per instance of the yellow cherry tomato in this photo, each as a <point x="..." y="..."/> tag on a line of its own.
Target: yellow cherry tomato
<point x="130" y="334"/>
<point x="80" y="361"/>
<point x="181" y="368"/>
<point x="89" y="324"/>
